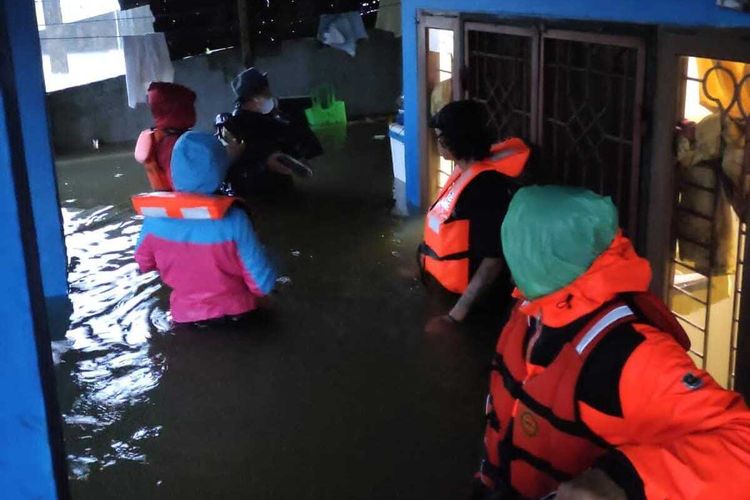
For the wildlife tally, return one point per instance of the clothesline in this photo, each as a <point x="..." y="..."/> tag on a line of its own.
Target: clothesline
<point x="102" y="37"/>
<point x="124" y="19"/>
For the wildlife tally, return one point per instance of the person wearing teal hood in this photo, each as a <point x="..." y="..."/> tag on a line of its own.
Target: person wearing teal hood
<point x="592" y="393"/>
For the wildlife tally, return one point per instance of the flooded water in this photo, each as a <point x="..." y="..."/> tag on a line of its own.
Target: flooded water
<point x="116" y="312"/>
<point x="338" y="395"/>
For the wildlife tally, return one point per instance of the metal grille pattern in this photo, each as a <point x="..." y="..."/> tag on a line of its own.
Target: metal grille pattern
<point x="590" y="105"/>
<point x="708" y="270"/>
<point x="501" y="77"/>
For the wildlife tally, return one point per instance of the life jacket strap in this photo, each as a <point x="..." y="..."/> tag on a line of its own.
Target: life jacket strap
<point x="515" y="388"/>
<point x="424" y="249"/>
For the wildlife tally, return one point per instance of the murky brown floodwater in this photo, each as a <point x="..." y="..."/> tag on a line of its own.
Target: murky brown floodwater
<point x="339" y="395"/>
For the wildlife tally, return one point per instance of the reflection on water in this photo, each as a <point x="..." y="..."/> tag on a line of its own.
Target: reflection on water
<point x="109" y="360"/>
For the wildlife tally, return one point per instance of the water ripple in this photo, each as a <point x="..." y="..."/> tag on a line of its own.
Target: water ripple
<point x="108" y="358"/>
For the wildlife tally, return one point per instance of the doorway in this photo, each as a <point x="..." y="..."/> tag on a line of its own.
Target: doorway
<point x="709" y="219"/>
<point x="441" y="84"/>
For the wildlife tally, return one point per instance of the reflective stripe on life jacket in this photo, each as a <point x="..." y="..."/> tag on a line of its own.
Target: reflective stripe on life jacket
<point x="176" y="205"/>
<point x="444" y="253"/>
<point x="534" y="438"/>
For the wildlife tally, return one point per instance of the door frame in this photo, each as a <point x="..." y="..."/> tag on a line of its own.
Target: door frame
<point x="672" y="46"/>
<point x="426" y="21"/>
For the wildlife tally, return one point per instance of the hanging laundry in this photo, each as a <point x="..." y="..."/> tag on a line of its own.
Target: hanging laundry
<point x="389" y="17"/>
<point x="146" y="60"/>
<point x="342" y="31"/>
<point x="138" y="21"/>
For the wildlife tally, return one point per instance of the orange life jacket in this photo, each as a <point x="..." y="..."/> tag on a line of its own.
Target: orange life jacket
<point x="145" y="153"/>
<point x="535" y="438"/>
<point x="178" y="205"/>
<point x="444" y="252"/>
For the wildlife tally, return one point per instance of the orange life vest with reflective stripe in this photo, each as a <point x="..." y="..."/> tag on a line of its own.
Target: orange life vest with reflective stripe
<point x="444" y="252"/>
<point x="145" y="153"/>
<point x="177" y="205"/>
<point x="534" y="438"/>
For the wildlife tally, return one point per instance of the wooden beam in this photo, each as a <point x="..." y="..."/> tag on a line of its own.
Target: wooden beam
<point x="246" y="40"/>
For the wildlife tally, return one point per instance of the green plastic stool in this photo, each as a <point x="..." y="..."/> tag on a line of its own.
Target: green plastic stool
<point x="325" y="110"/>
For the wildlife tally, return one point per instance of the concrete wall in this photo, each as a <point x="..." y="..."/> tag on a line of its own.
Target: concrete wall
<point x="369" y="84"/>
<point x="704" y="13"/>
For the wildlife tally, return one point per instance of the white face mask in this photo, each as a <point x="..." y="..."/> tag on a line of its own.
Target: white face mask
<point x="266" y="105"/>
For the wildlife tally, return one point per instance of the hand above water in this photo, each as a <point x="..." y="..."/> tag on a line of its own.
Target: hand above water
<point x="275" y="165"/>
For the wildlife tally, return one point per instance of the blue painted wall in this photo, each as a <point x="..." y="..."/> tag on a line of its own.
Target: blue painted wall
<point x="26" y="54"/>
<point x="25" y="458"/>
<point x="31" y="457"/>
<point x="693" y="13"/>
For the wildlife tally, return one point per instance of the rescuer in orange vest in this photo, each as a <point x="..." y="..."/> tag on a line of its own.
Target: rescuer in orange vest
<point x="461" y="250"/>
<point x="592" y="393"/>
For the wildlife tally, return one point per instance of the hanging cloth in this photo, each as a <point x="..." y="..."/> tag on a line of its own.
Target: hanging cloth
<point x="146" y="60"/>
<point x="342" y="31"/>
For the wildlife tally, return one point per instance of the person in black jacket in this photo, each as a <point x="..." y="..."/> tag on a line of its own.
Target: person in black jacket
<point x="268" y="148"/>
<point x="486" y="176"/>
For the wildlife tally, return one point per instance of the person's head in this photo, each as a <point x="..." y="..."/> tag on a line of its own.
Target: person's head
<point x="172" y="105"/>
<point x="199" y="163"/>
<point x="253" y="91"/>
<point x="463" y="131"/>
<point x="552" y="234"/>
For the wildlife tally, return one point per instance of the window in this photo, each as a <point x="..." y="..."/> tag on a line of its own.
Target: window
<point x="576" y="95"/>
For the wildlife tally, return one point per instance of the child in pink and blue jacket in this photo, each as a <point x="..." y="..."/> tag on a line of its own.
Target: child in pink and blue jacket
<point x="214" y="264"/>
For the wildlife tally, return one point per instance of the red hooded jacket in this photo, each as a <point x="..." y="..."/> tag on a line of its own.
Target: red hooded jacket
<point x="173" y="108"/>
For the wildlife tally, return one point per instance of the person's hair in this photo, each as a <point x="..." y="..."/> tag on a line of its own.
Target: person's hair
<point x="465" y="130"/>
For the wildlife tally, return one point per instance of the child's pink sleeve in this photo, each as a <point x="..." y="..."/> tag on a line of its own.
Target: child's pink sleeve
<point x="144" y="255"/>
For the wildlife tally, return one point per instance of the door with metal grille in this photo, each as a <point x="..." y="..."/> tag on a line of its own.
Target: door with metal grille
<point x="502" y="67"/>
<point x="577" y="96"/>
<point x="591" y="97"/>
<point x="711" y="208"/>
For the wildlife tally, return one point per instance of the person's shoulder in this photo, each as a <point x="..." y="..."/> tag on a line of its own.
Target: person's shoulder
<point x="236" y="213"/>
<point x="487" y="190"/>
<point x="159" y="224"/>
<point x="237" y="218"/>
<point x="492" y="179"/>
<point x="602" y="371"/>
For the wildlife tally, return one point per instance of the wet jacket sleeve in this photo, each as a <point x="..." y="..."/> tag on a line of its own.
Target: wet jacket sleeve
<point x="680" y="434"/>
<point x="257" y="270"/>
<point x="144" y="253"/>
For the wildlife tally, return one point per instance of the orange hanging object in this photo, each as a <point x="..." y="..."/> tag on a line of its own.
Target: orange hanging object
<point x="175" y="205"/>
